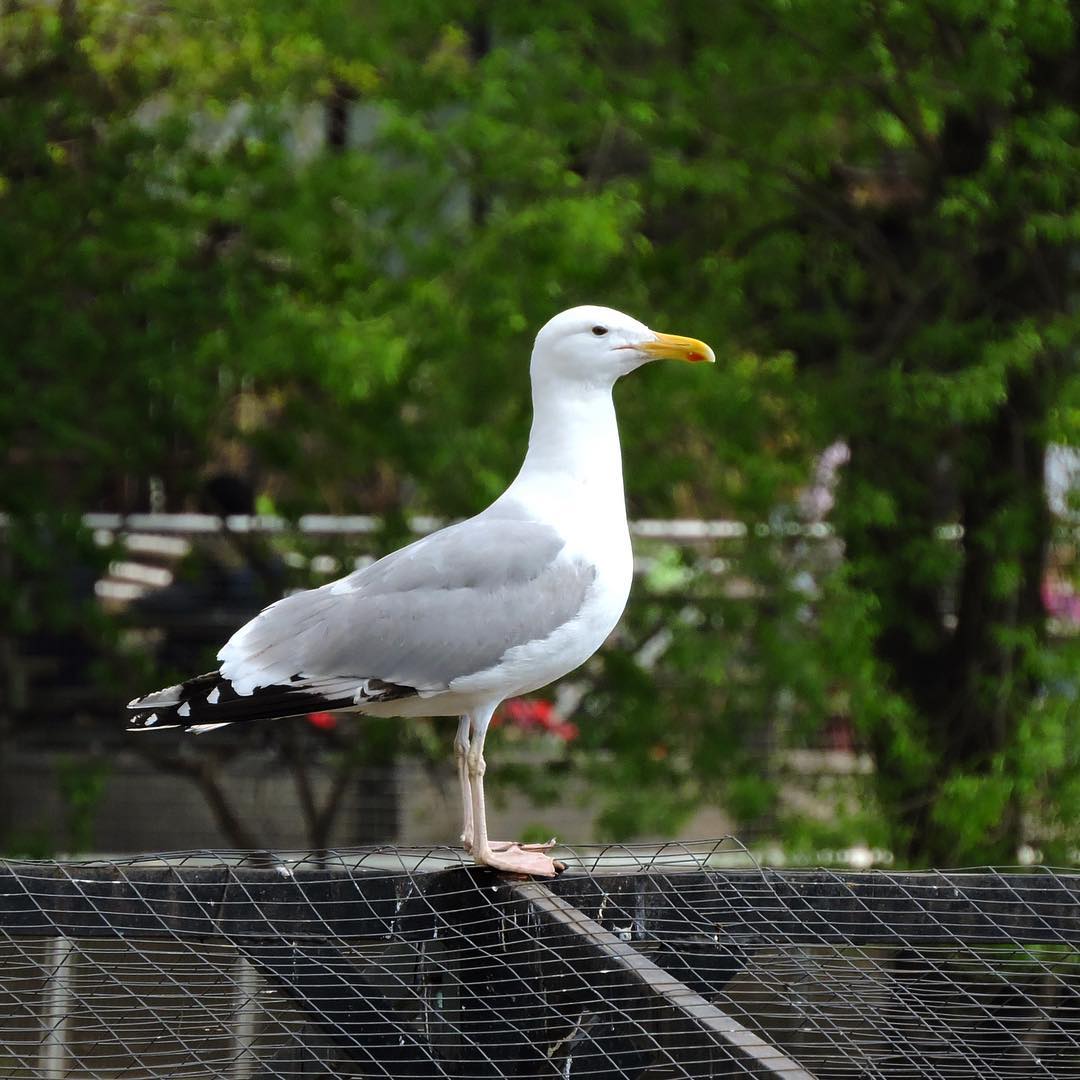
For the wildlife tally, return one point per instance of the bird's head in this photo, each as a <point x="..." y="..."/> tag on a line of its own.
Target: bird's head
<point x="597" y="345"/>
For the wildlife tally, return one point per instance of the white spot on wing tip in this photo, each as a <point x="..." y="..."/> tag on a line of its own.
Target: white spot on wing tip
<point x="184" y="710"/>
<point x="213" y="696"/>
<point x="151" y="719"/>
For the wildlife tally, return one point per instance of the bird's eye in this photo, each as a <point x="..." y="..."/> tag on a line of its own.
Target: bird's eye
<point x="599" y="331"/>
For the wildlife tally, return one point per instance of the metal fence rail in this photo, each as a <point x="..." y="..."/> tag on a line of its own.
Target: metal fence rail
<point x="671" y="963"/>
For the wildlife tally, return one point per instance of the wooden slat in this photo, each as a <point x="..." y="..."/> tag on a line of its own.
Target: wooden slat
<point x="753" y="1054"/>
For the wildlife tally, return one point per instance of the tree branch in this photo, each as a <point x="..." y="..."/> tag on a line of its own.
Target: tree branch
<point x="344" y="774"/>
<point x="203" y="772"/>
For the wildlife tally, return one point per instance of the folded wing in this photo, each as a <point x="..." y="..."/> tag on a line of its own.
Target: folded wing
<point x="449" y="605"/>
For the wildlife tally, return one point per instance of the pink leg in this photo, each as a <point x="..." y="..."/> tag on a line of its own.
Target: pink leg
<point x="515" y="858"/>
<point x="461" y="751"/>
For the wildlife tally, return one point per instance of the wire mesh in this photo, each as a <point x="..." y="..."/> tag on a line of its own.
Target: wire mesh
<point x="684" y="960"/>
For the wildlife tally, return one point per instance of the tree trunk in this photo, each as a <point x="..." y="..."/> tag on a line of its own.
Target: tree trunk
<point x="967" y="687"/>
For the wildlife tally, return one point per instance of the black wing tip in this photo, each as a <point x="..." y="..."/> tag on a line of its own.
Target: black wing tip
<point x="210" y="700"/>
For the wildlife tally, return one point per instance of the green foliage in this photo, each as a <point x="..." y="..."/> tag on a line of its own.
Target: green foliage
<point x="868" y="209"/>
<point x="81" y="785"/>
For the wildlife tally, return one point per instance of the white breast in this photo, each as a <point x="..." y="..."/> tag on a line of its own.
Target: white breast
<point x="571" y="479"/>
<point x="603" y="541"/>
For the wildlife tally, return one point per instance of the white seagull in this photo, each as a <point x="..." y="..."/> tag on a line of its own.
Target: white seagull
<point x="487" y="609"/>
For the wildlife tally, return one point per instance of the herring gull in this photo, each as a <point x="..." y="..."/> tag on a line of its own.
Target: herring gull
<point x="481" y="611"/>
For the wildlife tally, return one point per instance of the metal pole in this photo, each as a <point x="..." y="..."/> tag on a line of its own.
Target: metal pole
<point x="246" y="1018"/>
<point x="56" y="1017"/>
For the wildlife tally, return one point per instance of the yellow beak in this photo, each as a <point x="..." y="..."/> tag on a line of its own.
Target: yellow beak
<point x="673" y="347"/>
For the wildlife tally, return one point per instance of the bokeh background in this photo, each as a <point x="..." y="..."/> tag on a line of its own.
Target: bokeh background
<point x="265" y="260"/>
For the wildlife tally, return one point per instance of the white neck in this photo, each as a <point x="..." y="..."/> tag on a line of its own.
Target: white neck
<point x="574" y="463"/>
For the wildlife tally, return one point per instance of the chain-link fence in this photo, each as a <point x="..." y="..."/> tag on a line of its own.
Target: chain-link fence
<point x="682" y="961"/>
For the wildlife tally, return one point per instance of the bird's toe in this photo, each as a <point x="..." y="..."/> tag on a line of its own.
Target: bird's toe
<point x="516" y="859"/>
<point x="505" y="845"/>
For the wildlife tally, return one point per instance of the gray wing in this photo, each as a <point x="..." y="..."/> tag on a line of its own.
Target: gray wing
<point x="448" y="605"/>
